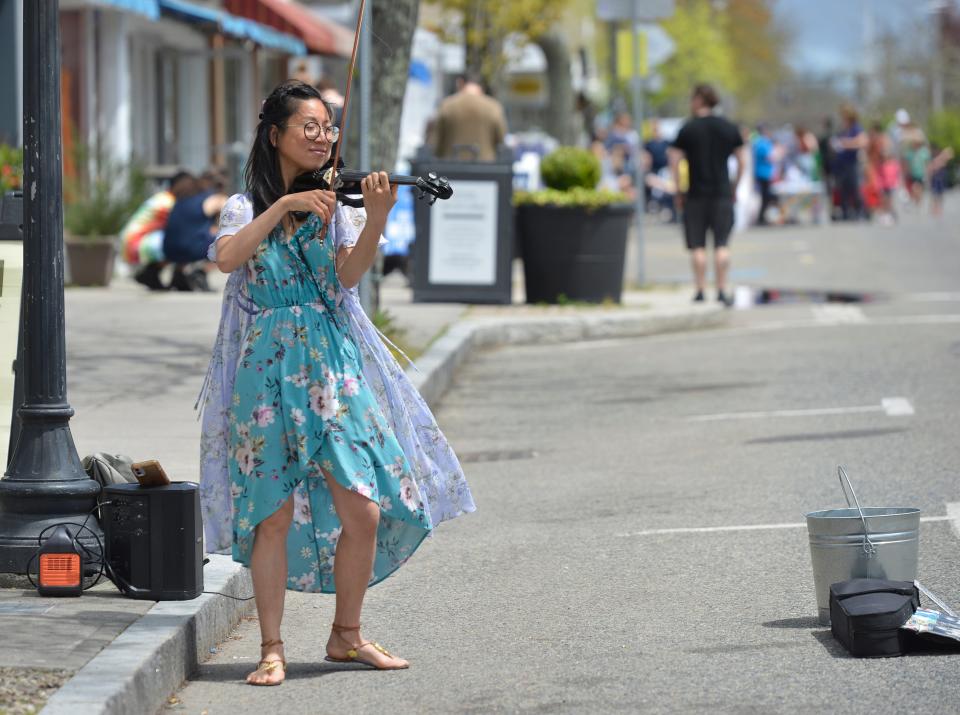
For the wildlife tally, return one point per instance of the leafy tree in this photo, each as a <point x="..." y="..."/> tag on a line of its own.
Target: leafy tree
<point x="484" y="25"/>
<point x="735" y="45"/>
<point x="702" y="54"/>
<point x="758" y="47"/>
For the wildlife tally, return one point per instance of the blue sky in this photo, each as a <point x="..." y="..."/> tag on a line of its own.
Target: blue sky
<point x="829" y="34"/>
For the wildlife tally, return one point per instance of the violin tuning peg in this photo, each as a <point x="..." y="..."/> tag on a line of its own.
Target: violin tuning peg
<point x="430" y="199"/>
<point x="432" y="176"/>
<point x="443" y="181"/>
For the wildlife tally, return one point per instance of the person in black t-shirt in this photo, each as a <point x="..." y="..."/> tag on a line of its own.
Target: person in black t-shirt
<point x="707" y="141"/>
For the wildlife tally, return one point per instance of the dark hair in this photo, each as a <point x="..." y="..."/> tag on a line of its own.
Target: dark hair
<point x="182" y="185"/>
<point x="261" y="175"/>
<point x="707" y="95"/>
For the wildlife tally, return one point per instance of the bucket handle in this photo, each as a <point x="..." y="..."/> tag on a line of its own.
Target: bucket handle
<point x="868" y="546"/>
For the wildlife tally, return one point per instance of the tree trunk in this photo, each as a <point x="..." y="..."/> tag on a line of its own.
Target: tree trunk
<point x="558" y="118"/>
<point x="393" y="25"/>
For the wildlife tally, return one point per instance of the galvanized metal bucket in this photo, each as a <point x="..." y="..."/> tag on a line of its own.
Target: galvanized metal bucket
<point x="868" y="542"/>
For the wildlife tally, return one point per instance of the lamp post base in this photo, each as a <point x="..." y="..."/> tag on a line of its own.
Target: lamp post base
<point x="45" y="485"/>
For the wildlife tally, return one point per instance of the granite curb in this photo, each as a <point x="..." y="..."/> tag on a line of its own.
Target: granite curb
<point x="438" y="365"/>
<point x="154" y="656"/>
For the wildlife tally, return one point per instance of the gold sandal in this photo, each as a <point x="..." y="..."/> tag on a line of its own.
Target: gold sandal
<point x="353" y="655"/>
<point x="268" y="666"/>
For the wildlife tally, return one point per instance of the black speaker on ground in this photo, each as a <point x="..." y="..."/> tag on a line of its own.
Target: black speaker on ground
<point x="154" y="540"/>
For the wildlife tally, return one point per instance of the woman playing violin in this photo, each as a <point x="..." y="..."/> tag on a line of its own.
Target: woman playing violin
<point x="327" y="491"/>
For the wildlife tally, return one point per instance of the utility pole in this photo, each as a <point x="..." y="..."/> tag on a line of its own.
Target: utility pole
<point x="45" y="484"/>
<point x="637" y="81"/>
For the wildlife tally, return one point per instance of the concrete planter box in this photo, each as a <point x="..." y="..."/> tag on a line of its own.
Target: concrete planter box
<point x="90" y="259"/>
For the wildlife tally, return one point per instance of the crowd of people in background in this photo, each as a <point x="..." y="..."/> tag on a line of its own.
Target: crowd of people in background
<point x="846" y="173"/>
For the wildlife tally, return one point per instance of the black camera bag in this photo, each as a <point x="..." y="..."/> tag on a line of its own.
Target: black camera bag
<point x="866" y="615"/>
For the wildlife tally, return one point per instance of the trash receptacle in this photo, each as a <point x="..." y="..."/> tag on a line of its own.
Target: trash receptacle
<point x="463" y="250"/>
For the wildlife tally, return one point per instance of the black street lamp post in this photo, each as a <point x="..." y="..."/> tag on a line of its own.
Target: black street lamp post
<point x="45" y="483"/>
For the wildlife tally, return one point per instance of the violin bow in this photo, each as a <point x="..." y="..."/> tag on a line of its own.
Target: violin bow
<point x="334" y="177"/>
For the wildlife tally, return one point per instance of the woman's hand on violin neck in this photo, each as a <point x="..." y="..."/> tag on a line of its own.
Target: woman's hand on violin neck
<point x="322" y="203"/>
<point x="378" y="197"/>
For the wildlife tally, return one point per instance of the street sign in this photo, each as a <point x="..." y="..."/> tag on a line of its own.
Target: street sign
<point x="641" y="10"/>
<point x="656" y="47"/>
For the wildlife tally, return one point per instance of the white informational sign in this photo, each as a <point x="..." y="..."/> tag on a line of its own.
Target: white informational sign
<point x="642" y="10"/>
<point x="463" y="235"/>
<point x="11" y="276"/>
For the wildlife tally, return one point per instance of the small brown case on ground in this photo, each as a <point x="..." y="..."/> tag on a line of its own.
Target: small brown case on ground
<point x="149" y="473"/>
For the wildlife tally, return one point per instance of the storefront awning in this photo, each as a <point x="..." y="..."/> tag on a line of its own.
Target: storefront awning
<point x="150" y="8"/>
<point x="234" y="26"/>
<point x="321" y="36"/>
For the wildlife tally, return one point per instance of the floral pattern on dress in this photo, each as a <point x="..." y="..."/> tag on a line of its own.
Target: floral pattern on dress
<point x="435" y="477"/>
<point x="301" y="409"/>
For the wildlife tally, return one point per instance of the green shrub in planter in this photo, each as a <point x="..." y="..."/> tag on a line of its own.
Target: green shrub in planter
<point x="572" y="236"/>
<point x="569" y="167"/>
<point x="571" y="176"/>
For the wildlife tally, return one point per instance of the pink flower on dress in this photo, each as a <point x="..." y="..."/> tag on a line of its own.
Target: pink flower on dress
<point x="244" y="457"/>
<point x="351" y="386"/>
<point x="263" y="415"/>
<point x="409" y="494"/>
<point x="363" y="490"/>
<point x="305" y="582"/>
<point x="301" y="508"/>
<point x="323" y="402"/>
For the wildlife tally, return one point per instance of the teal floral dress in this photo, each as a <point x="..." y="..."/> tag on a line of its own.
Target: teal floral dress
<point x="301" y="407"/>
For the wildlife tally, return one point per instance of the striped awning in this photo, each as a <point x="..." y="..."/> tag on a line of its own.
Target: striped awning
<point x="234" y="26"/>
<point x="321" y="36"/>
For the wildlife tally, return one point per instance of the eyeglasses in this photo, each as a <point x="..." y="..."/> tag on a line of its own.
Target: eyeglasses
<point x="311" y="130"/>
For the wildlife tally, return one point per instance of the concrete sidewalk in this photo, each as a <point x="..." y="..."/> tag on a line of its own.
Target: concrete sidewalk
<point x="135" y="364"/>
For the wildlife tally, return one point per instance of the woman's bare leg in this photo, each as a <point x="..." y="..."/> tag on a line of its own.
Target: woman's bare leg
<point x="268" y="566"/>
<point x="352" y="569"/>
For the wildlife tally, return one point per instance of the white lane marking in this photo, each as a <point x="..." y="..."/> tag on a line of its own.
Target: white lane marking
<point x="897" y="406"/>
<point x="953" y="512"/>
<point x="753" y="527"/>
<point x="838" y="314"/>
<point x="933" y="297"/>
<point x="891" y="406"/>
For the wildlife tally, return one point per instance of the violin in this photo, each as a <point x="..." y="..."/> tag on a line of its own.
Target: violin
<point x="347" y="184"/>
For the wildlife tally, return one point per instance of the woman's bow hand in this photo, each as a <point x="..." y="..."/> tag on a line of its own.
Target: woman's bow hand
<point x="322" y="203"/>
<point x="378" y="197"/>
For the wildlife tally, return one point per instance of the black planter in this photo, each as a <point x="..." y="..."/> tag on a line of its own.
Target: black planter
<point x="573" y="253"/>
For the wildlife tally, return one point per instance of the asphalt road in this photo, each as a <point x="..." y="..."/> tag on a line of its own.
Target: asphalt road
<point x="610" y="568"/>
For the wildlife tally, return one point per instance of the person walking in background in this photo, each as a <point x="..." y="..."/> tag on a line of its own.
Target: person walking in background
<point x="190" y="229"/>
<point x="827" y="161"/>
<point x="142" y="235"/>
<point x="847" y="146"/>
<point x="469" y="122"/>
<point x="879" y="175"/>
<point x="707" y="141"/>
<point x="916" y="158"/>
<point x="763" y="170"/>
<point x="656" y="165"/>
<point x="937" y="173"/>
